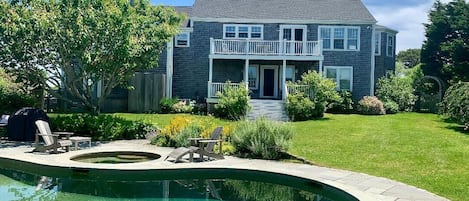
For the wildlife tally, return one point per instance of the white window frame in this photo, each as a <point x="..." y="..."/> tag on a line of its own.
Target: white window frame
<point x="346" y="37"/>
<point x="377" y="43"/>
<point x="257" y="76"/>
<point x="337" y="79"/>
<point x="250" y="26"/>
<point x="176" y="39"/>
<point x="390" y="44"/>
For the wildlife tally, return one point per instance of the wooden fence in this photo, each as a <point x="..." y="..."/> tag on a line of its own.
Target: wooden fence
<point x="149" y="89"/>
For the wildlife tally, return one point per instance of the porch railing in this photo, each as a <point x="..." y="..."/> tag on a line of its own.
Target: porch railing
<point x="306" y="89"/>
<point x="264" y="47"/>
<point x="214" y="87"/>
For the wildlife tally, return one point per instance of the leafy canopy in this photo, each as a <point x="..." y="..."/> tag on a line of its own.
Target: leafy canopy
<point x="444" y="53"/>
<point x="79" y="46"/>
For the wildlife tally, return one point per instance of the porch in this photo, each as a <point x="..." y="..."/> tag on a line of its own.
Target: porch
<point x="265" y="49"/>
<point x="265" y="79"/>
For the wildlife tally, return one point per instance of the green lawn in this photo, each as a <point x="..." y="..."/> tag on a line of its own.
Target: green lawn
<point x="417" y="149"/>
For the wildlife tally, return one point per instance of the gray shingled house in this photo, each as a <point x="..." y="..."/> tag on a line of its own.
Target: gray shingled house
<point x="269" y="42"/>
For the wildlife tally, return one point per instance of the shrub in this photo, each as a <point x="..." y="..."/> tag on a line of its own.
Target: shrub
<point x="344" y="105"/>
<point x="183" y="106"/>
<point x="301" y="108"/>
<point x="321" y="91"/>
<point x="101" y="127"/>
<point x="391" y="107"/>
<point x="11" y="101"/>
<point x="261" y="138"/>
<point x="397" y="89"/>
<point x="233" y="102"/>
<point x="371" y="105"/>
<point x="455" y="103"/>
<point x="166" y="105"/>
<point x="12" y="95"/>
<point x="180" y="128"/>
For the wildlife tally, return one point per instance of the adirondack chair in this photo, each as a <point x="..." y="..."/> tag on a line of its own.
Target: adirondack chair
<point x="202" y="146"/>
<point x="51" y="140"/>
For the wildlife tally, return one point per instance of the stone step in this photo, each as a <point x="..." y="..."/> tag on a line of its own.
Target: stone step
<point x="271" y="109"/>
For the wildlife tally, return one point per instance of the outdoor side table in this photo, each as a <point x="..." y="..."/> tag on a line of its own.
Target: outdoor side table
<point x="78" y="139"/>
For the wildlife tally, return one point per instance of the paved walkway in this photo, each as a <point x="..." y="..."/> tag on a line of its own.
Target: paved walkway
<point x="362" y="186"/>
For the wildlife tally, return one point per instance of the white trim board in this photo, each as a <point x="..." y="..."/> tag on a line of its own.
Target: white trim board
<point x="283" y="21"/>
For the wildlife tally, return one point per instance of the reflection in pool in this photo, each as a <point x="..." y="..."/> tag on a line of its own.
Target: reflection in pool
<point x="17" y="185"/>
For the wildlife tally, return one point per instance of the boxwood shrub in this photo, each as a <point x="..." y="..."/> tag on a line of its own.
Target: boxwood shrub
<point x="101" y="127"/>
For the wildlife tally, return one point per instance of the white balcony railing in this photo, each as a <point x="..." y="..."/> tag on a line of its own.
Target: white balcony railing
<point x="214" y="87"/>
<point x="265" y="48"/>
<point x="306" y="89"/>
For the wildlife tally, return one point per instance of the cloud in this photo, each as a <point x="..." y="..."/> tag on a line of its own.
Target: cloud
<point x="408" y="20"/>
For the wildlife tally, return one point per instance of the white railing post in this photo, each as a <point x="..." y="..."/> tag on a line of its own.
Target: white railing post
<point x="247" y="47"/>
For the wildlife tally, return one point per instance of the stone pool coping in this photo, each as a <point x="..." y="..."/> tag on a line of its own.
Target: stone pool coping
<point x="362" y="186"/>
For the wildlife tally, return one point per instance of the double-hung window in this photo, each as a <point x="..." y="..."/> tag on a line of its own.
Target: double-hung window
<point x="341" y="75"/>
<point x="378" y="43"/>
<point x="253" y="78"/>
<point x="242" y="31"/>
<point x="340" y="37"/>
<point x="390" y="46"/>
<point x="182" y="39"/>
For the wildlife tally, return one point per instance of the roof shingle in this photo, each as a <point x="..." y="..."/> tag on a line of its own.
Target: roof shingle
<point x="314" y="10"/>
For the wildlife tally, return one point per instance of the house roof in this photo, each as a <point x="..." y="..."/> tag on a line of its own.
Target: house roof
<point x="284" y="10"/>
<point x="385" y="29"/>
<point x="187" y="10"/>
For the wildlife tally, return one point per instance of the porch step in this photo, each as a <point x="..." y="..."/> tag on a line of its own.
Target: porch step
<point x="271" y="109"/>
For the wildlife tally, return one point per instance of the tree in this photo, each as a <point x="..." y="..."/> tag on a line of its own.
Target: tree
<point x="85" y="47"/>
<point x="444" y="52"/>
<point x="409" y="57"/>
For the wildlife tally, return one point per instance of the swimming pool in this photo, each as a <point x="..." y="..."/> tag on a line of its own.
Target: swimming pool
<point x="20" y="180"/>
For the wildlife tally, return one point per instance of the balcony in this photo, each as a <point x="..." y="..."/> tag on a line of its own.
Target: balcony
<point x="220" y="48"/>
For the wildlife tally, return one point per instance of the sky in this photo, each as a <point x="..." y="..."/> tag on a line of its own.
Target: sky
<point x="405" y="16"/>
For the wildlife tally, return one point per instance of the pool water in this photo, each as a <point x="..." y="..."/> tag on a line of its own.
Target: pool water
<point x="18" y="185"/>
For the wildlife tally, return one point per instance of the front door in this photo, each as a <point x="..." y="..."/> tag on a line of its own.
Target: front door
<point x="269" y="82"/>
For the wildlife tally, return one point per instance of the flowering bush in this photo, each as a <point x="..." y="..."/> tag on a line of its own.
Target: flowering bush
<point x="183" y="106"/>
<point x="371" y="105"/>
<point x="182" y="127"/>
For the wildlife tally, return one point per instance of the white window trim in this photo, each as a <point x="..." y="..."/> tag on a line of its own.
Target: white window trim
<point x="378" y="39"/>
<point x="188" y="39"/>
<point x="345" y="37"/>
<point x="336" y="80"/>
<point x="390" y="54"/>
<point x="257" y="76"/>
<point x="243" y="25"/>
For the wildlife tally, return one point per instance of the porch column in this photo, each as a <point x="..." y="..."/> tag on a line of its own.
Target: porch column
<point x="169" y="69"/>
<point x="320" y="67"/>
<point x="284" y="86"/>
<point x="246" y="71"/>
<point x="210" y="74"/>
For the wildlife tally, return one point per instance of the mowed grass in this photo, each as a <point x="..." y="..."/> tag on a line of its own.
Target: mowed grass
<point x="417" y="149"/>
